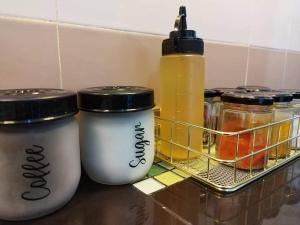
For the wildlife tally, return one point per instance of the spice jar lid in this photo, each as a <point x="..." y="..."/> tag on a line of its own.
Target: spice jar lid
<point x="254" y="88"/>
<point x="221" y="90"/>
<point x="278" y="96"/>
<point x="36" y="105"/>
<point x="208" y="93"/>
<point x="115" y="99"/>
<point x="294" y="92"/>
<point x="247" y="99"/>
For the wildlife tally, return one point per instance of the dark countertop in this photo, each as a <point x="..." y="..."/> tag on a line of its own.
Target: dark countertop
<point x="274" y="199"/>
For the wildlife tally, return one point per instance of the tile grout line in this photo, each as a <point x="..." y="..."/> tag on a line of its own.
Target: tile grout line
<point x="247" y="66"/>
<point x="249" y="43"/>
<point x="58" y="48"/>
<point x="286" y="51"/>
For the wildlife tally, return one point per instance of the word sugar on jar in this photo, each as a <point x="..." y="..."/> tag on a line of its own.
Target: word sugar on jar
<point x="116" y="133"/>
<point x="241" y="112"/>
<point x="39" y="151"/>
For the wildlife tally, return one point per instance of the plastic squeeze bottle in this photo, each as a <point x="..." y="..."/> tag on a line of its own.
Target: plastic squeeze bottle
<point x="182" y="90"/>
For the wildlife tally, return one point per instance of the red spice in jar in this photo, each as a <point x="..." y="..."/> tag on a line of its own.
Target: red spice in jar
<point x="241" y="112"/>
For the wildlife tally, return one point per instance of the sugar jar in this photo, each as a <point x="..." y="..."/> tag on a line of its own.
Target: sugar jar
<point x="39" y="151"/>
<point x="116" y="133"/>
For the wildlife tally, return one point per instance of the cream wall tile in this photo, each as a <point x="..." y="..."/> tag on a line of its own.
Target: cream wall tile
<point x="97" y="57"/>
<point x="154" y="16"/>
<point x="271" y="23"/>
<point x="266" y="67"/>
<point x="225" y="65"/>
<point x="90" y="12"/>
<point x="292" y="74"/>
<point x="212" y="19"/>
<point x="28" y="56"/>
<point x="44" y="9"/>
<point x="228" y="20"/>
<point x="294" y="43"/>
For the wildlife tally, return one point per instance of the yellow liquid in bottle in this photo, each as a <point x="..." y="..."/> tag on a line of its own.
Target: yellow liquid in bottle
<point x="181" y="99"/>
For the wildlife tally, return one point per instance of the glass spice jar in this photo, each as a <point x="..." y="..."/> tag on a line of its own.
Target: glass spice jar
<point x="209" y="116"/>
<point x="239" y="112"/>
<point x="282" y="109"/>
<point x="295" y="143"/>
<point x="217" y="104"/>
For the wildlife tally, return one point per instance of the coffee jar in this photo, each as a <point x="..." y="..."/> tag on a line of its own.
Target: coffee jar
<point x="39" y="151"/>
<point x="116" y="133"/>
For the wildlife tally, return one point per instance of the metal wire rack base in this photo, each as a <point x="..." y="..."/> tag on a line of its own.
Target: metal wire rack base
<point x="217" y="174"/>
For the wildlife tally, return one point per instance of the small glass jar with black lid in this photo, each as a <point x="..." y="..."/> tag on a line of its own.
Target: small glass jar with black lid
<point x="295" y="143"/>
<point x="210" y="117"/>
<point x="242" y="111"/>
<point x="39" y="151"/>
<point x="116" y="133"/>
<point x="282" y="109"/>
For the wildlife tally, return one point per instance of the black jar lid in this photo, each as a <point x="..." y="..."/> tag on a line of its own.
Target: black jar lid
<point x="19" y="106"/>
<point x="278" y="96"/>
<point x="115" y="99"/>
<point x="223" y="90"/>
<point x="247" y="99"/>
<point x="208" y="93"/>
<point x="254" y="88"/>
<point x="294" y="92"/>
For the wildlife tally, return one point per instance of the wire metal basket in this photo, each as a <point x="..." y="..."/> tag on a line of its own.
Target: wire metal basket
<point x="219" y="173"/>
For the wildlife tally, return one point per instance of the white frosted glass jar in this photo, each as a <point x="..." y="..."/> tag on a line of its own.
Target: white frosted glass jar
<point x="116" y="133"/>
<point x="39" y="151"/>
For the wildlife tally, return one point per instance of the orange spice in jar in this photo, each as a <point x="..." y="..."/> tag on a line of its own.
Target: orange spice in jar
<point x="242" y="111"/>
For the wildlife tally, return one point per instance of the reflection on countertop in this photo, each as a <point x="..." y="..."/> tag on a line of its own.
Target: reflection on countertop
<point x="96" y="204"/>
<point x="273" y="200"/>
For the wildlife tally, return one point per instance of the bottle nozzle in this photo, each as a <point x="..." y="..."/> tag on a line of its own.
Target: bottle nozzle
<point x="182" y="40"/>
<point x="180" y="22"/>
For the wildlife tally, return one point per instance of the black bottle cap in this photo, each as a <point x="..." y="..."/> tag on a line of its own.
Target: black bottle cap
<point x="19" y="106"/>
<point x="115" y="99"/>
<point x="254" y="88"/>
<point x="247" y="98"/>
<point x="182" y="40"/>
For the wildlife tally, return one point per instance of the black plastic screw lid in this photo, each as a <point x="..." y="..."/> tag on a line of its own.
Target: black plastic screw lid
<point x="254" y="88"/>
<point x="182" y="40"/>
<point x="115" y="99"/>
<point x="294" y="92"/>
<point x="277" y="95"/>
<point x="19" y="106"/>
<point x="247" y="99"/>
<point x="223" y="90"/>
<point x="208" y="93"/>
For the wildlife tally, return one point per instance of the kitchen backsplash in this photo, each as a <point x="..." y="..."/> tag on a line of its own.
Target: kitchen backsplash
<point x="38" y="53"/>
